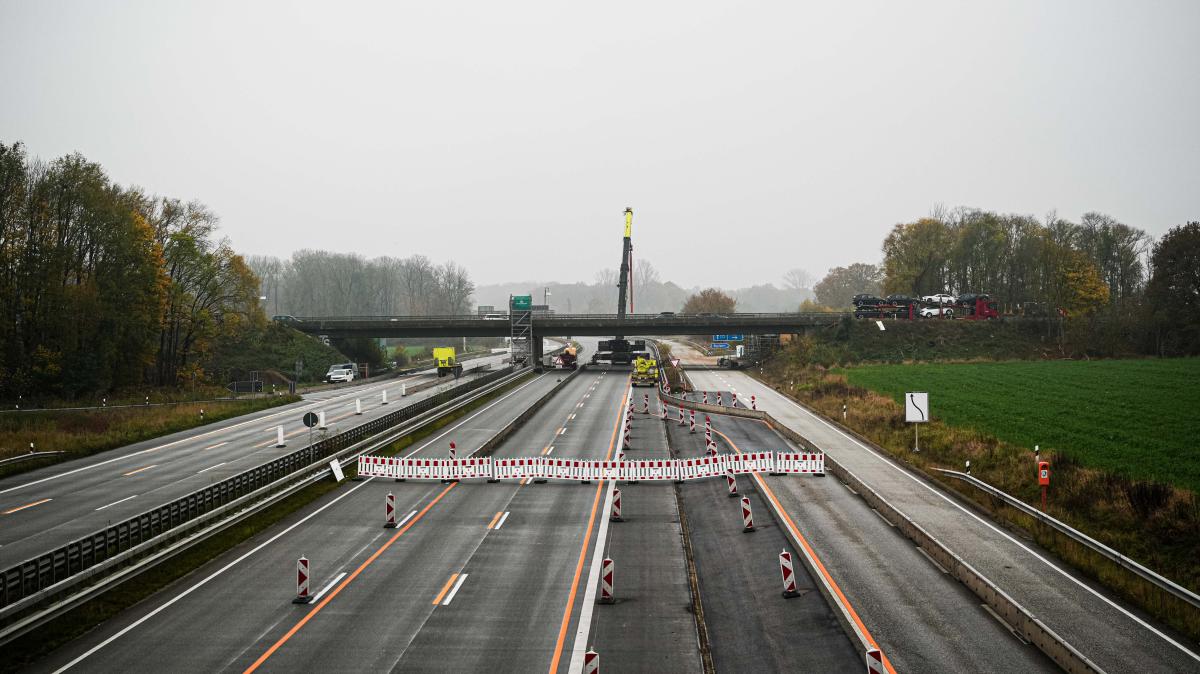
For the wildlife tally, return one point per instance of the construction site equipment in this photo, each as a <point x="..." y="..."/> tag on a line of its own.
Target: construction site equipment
<point x="619" y="351"/>
<point x="446" y="362"/>
<point x="645" y="372"/>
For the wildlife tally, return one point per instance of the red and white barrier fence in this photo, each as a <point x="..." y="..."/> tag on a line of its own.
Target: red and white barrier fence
<point x="548" y="468"/>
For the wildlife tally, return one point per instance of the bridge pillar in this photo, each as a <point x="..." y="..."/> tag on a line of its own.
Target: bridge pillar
<point x="536" y="350"/>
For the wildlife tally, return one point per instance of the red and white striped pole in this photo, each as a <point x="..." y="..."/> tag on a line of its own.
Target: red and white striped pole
<point x="692" y="421"/>
<point x="718" y="397"/>
<point x="875" y="662"/>
<point x="453" y="451"/>
<point x="664" y="410"/>
<point x="753" y="403"/>
<point x="302" y="576"/>
<point x="731" y="481"/>
<point x="615" y="516"/>
<point x="591" y="662"/>
<point x="712" y="449"/>
<point x="747" y="516"/>
<point x="789" y="575"/>
<point x="708" y="424"/>
<point x="389" y="511"/>
<point x="646" y="403"/>
<point x="681" y="419"/>
<point x="606" y="582"/>
<point x="628" y="426"/>
<point x="733" y="403"/>
<point x="706" y="397"/>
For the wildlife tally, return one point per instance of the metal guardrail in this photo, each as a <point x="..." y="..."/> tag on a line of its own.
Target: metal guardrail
<point x="665" y="317"/>
<point x="33" y="576"/>
<point x="1162" y="582"/>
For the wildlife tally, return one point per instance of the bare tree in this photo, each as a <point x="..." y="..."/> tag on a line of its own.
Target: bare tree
<point x="798" y="279"/>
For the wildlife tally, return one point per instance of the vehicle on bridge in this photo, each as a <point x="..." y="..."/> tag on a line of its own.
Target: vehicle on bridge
<point x="446" y="362"/>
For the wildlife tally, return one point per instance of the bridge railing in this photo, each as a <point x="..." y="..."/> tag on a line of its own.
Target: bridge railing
<point x="605" y="317"/>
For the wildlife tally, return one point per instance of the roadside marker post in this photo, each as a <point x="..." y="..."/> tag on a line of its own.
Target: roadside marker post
<point x="384" y="394"/>
<point x="615" y="516"/>
<point x="875" y="662"/>
<point x="453" y="451"/>
<point x="718" y="398"/>
<point x="403" y="390"/>
<point x="789" y="575"/>
<point x="279" y="436"/>
<point x="646" y="403"/>
<point x="681" y="419"/>
<point x="302" y="577"/>
<point x="733" y="400"/>
<point x="706" y="397"/>
<point x="606" y="582"/>
<point x="321" y="420"/>
<point x="732" y="483"/>
<point x="692" y="421"/>
<point x="389" y="511"/>
<point x="664" y="410"/>
<point x="747" y="516"/>
<point x="591" y="662"/>
<point x="753" y="403"/>
<point x="357" y="406"/>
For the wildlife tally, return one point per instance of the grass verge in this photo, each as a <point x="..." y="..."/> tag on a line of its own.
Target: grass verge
<point x="1154" y="523"/>
<point x="83" y="433"/>
<point x="31" y="647"/>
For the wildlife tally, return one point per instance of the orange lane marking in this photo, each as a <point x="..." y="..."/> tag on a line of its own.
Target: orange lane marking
<point x="27" y="505"/>
<point x="813" y="554"/>
<point x="135" y="472"/>
<point x="349" y="579"/>
<point x="587" y="538"/>
<point x="446" y="588"/>
<point x="493" y="522"/>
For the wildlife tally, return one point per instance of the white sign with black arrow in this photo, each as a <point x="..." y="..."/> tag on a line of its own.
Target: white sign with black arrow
<point x="916" y="411"/>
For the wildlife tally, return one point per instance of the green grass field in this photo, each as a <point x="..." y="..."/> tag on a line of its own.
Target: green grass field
<point x="1135" y="417"/>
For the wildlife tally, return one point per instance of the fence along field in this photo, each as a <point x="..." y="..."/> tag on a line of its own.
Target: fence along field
<point x="1132" y="417"/>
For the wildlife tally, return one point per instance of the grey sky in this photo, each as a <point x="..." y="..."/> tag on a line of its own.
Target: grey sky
<point x="748" y="137"/>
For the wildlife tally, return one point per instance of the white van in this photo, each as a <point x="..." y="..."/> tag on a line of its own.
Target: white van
<point x="340" y="373"/>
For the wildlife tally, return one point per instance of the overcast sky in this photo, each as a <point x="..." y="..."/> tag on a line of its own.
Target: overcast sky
<point x="748" y="137"/>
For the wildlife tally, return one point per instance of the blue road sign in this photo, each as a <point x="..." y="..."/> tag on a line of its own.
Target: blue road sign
<point x="720" y="345"/>
<point x="728" y="338"/>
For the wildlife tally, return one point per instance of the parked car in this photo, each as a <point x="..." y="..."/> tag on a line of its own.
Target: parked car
<point x="939" y="299"/>
<point x="937" y="312"/>
<point x="866" y="300"/>
<point x="902" y="300"/>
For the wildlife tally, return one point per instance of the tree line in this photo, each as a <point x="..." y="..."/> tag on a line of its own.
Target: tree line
<point x="324" y="283"/>
<point x="104" y="287"/>
<point x="1111" y="281"/>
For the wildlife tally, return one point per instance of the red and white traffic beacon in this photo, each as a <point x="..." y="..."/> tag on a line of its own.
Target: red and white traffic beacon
<point x="1044" y="480"/>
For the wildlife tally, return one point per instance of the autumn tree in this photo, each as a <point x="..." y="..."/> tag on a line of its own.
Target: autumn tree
<point x="916" y="256"/>
<point x="841" y="284"/>
<point x="709" y="301"/>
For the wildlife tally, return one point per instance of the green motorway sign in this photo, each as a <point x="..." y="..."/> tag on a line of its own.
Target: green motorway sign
<point x="522" y="302"/>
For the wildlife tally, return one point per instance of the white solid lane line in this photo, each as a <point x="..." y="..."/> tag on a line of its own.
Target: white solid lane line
<point x="987" y="524"/>
<point x="454" y="591"/>
<point x="258" y="420"/>
<point x="317" y="597"/>
<point x="501" y="522"/>
<point x="211" y="467"/>
<point x="116" y="502"/>
<point x="219" y="444"/>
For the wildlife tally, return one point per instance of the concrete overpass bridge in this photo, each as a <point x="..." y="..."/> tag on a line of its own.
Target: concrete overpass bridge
<point x="556" y="325"/>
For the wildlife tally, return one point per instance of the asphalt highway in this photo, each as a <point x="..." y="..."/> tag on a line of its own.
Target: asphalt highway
<point x="1116" y="637"/>
<point x="49" y="507"/>
<point x="477" y="575"/>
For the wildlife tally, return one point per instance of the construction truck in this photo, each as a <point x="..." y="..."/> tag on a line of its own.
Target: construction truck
<point x="567" y="360"/>
<point x="645" y="372"/>
<point x="443" y="356"/>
